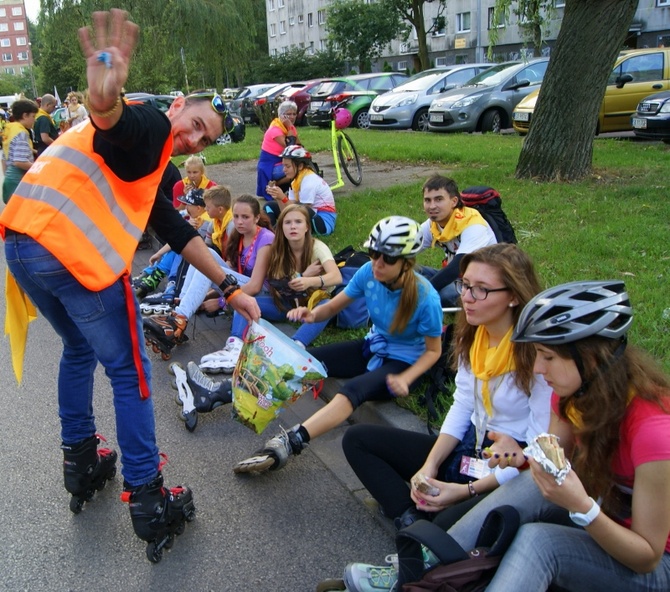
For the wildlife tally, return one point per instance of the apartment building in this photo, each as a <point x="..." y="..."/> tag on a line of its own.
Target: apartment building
<point x="14" y="40"/>
<point x="464" y="38"/>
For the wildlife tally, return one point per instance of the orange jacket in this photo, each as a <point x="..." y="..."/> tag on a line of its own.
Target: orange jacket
<point x="77" y="208"/>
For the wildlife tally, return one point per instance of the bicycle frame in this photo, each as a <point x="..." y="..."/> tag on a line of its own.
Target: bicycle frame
<point x="334" y="133"/>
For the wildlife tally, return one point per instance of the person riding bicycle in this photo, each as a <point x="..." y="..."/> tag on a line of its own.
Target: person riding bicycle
<point x="307" y="188"/>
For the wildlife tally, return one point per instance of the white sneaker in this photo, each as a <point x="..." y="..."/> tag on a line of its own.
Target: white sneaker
<point x="223" y="360"/>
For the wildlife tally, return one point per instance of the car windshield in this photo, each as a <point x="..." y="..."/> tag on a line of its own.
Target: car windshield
<point x="491" y="77"/>
<point x="421" y="83"/>
<point x="330" y="87"/>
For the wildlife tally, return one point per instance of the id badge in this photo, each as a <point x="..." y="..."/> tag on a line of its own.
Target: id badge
<point x="476" y="468"/>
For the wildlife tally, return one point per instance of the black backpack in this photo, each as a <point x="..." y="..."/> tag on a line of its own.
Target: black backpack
<point x="439" y="376"/>
<point x="488" y="203"/>
<point x="355" y="315"/>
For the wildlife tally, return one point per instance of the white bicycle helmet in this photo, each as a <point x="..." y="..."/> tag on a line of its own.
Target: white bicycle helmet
<point x="396" y="236"/>
<point x="296" y="152"/>
<point x="574" y="311"/>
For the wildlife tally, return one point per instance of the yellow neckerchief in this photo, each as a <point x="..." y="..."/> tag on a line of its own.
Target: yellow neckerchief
<point x="41" y="112"/>
<point x="203" y="183"/>
<point x="575" y="417"/>
<point x="278" y="123"/>
<point x="295" y="185"/>
<point x="219" y="230"/>
<point x="18" y="313"/>
<point x="459" y="220"/>
<point x="487" y="362"/>
<point x="201" y="219"/>
<point x="13" y="129"/>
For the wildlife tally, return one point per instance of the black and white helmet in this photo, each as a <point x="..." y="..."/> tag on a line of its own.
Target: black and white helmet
<point x="574" y="311"/>
<point x="396" y="236"/>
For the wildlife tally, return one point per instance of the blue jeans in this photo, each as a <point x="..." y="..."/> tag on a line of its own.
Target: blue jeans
<point x="546" y="552"/>
<point x="448" y="295"/>
<point x="306" y="333"/>
<point x="94" y="326"/>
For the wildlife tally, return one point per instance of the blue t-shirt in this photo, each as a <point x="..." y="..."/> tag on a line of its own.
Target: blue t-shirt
<point x="382" y="304"/>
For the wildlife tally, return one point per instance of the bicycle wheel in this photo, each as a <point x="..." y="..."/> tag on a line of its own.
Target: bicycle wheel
<point x="349" y="159"/>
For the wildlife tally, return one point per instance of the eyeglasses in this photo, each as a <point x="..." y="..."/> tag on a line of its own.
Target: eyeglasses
<point x="388" y="259"/>
<point x="217" y="103"/>
<point x="477" y="292"/>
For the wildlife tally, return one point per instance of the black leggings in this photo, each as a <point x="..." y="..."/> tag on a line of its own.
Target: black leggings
<point x="273" y="210"/>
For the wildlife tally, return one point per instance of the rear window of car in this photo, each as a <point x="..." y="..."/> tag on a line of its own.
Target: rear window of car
<point x="381" y="83"/>
<point x="331" y="87"/>
<point x="163" y="103"/>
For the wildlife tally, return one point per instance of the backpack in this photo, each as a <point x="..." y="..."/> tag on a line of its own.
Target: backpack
<point x="461" y="571"/>
<point x="488" y="203"/>
<point x="439" y="375"/>
<point x="355" y="315"/>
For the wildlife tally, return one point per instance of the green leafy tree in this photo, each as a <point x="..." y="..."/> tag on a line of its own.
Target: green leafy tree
<point x="559" y="145"/>
<point x="533" y="18"/>
<point x="297" y="64"/>
<point x="360" y="31"/>
<point x="412" y="11"/>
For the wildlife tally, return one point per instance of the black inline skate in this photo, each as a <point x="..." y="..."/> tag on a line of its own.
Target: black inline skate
<point x="86" y="469"/>
<point x="158" y="513"/>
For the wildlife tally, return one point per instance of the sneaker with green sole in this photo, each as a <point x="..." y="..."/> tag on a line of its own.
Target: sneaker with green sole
<point x="361" y="577"/>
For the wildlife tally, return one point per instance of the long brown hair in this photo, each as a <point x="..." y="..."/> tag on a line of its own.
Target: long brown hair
<point x="517" y="273"/>
<point x="233" y="245"/>
<point x="611" y="379"/>
<point x="409" y="297"/>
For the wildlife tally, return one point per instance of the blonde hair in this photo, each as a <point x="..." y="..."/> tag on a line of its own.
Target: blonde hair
<point x="409" y="298"/>
<point x="219" y="195"/>
<point x="195" y="161"/>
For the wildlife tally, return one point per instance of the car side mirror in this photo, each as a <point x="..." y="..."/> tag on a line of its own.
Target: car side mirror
<point x="519" y="84"/>
<point x="447" y="87"/>
<point x="623" y="79"/>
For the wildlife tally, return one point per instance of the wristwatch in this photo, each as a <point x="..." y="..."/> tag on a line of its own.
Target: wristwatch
<point x="228" y="285"/>
<point x="590" y="516"/>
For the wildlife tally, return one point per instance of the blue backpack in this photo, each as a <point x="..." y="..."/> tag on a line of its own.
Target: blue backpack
<point x="356" y="315"/>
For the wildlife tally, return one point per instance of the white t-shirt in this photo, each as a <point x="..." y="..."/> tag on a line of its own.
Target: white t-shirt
<point x="472" y="238"/>
<point x="314" y="192"/>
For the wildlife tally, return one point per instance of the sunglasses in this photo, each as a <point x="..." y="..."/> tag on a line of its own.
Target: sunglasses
<point x="388" y="259"/>
<point x="217" y="103"/>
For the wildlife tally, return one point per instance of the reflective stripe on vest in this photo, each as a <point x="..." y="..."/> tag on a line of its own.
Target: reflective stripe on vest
<point x="73" y="205"/>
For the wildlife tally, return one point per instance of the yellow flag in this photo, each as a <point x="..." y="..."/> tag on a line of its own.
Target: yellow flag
<point x="20" y="311"/>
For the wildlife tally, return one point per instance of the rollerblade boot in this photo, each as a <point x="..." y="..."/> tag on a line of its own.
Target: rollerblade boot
<point x="160" y="303"/>
<point x="207" y="393"/>
<point x="274" y="454"/>
<point x="86" y="469"/>
<point x="163" y="332"/>
<point x="148" y="283"/>
<point x="158" y="514"/>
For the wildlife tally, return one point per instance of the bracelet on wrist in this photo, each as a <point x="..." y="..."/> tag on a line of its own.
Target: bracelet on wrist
<point x="234" y="294"/>
<point x="222" y="302"/>
<point x="284" y="199"/>
<point x="471" y="489"/>
<point x="102" y="114"/>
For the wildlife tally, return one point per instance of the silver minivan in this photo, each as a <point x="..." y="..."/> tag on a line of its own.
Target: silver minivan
<point x="406" y="106"/>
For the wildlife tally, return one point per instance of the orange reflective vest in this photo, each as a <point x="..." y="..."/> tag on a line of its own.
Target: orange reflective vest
<point x="72" y="203"/>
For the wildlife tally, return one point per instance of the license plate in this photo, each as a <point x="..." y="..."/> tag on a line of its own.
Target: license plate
<point x="314" y="105"/>
<point x="521" y="116"/>
<point x="247" y="119"/>
<point x="639" y="123"/>
<point x="437" y="117"/>
<point x="376" y="117"/>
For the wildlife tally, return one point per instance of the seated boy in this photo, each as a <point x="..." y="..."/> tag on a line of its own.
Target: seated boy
<point x="456" y="229"/>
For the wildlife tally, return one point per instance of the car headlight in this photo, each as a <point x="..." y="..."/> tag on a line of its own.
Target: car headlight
<point x="408" y="100"/>
<point x="466" y="101"/>
<point x="665" y="107"/>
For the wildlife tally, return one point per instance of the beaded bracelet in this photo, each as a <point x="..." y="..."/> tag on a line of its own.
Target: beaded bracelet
<point x="101" y="114"/>
<point x="471" y="489"/>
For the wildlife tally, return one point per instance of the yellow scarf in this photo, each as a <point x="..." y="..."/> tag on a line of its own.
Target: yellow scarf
<point x="459" y="220"/>
<point x="295" y="185"/>
<point x="219" y="230"/>
<point x="13" y="129"/>
<point x="18" y="313"/>
<point x="575" y="417"/>
<point x="487" y="362"/>
<point x="187" y="183"/>
<point x="41" y="112"/>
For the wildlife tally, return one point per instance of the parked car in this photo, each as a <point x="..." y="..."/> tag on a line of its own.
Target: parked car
<point x="245" y="98"/>
<point x="406" y="106"/>
<point x="301" y="97"/>
<point x="269" y="96"/>
<point x="485" y="102"/>
<point x="361" y="90"/>
<point x="162" y="102"/>
<point x="651" y="119"/>
<point x="636" y="74"/>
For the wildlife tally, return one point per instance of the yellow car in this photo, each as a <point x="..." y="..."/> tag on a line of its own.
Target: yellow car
<point x="637" y="73"/>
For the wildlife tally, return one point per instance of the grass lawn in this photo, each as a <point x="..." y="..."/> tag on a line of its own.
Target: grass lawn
<point x="613" y="225"/>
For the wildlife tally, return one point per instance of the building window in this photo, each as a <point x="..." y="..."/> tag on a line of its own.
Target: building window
<point x="311" y="48"/>
<point x="402" y="66"/>
<point x="462" y="22"/>
<point x="22" y="56"/>
<point x="310" y="19"/>
<point x="271" y="5"/>
<point x="322" y="45"/>
<point x="4" y="27"/>
<point x="273" y="29"/>
<point x="281" y="3"/>
<point x="437" y="30"/>
<point x="9" y="71"/>
<point x="17" y="11"/>
<point x="274" y="52"/>
<point x="20" y="26"/>
<point x="561" y="3"/>
<point x="441" y="61"/>
<point x="495" y="21"/>
<point x="5" y="43"/>
<point x="282" y="27"/>
<point x="3" y="12"/>
<point x="6" y="57"/>
<point x="301" y="19"/>
<point x="658" y="3"/>
<point x="321" y="16"/>
<point x="291" y="21"/>
<point x="21" y="41"/>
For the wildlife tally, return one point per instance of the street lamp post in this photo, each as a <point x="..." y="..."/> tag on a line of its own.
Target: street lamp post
<point x="32" y="69"/>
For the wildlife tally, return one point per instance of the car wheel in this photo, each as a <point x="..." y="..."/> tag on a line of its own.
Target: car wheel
<point x="492" y="121"/>
<point x="362" y="119"/>
<point x="420" y="121"/>
<point x="223" y="139"/>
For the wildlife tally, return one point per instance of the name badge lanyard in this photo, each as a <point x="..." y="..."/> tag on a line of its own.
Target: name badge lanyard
<point x="481" y="416"/>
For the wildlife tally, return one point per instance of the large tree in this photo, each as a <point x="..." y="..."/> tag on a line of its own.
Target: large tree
<point x="559" y="145"/>
<point x="360" y="31"/>
<point x="413" y="12"/>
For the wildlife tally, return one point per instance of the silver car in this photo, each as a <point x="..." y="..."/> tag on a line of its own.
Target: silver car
<point x="485" y="103"/>
<point x="407" y="105"/>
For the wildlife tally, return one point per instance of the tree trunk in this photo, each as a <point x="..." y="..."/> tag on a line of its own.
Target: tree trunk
<point x="420" y="26"/>
<point x="559" y="145"/>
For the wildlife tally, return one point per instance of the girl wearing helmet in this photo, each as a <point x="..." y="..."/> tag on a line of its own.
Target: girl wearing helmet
<point x="611" y="410"/>
<point x="496" y="393"/>
<point x="402" y="344"/>
<point x="280" y="133"/>
<point x="307" y="188"/>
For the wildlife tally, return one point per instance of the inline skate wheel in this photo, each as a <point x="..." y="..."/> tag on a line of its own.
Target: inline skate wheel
<point x="180" y="529"/>
<point x="155" y="348"/>
<point x="190" y="419"/>
<point x="165" y="356"/>
<point x="169" y="541"/>
<point x="76" y="505"/>
<point x="171" y="368"/>
<point x="154" y="552"/>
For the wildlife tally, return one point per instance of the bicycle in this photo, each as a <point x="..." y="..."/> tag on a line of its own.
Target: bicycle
<point x="344" y="151"/>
